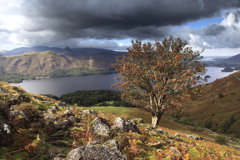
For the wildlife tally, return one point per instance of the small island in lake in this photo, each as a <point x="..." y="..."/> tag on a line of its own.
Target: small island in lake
<point x="207" y="76"/>
<point x="227" y="69"/>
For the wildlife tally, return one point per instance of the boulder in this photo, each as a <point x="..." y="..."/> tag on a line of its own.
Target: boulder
<point x="73" y="119"/>
<point x="92" y="143"/>
<point x="110" y="151"/>
<point x="177" y="135"/>
<point x="89" y="112"/>
<point x="52" y="111"/>
<point x="155" y="144"/>
<point x="60" y="157"/>
<point x="19" y="118"/>
<point x="157" y="132"/>
<point x="124" y="125"/>
<point x="175" y="151"/>
<point x="194" y="137"/>
<point x="68" y="113"/>
<point x="48" y="116"/>
<point x="56" y="108"/>
<point x="101" y="131"/>
<point x="62" y="125"/>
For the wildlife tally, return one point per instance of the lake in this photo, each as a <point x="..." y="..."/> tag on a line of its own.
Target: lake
<point x="61" y="85"/>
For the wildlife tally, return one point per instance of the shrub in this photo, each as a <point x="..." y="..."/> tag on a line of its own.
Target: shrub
<point x="184" y="120"/>
<point x="223" y="126"/>
<point x="208" y="124"/>
<point x="232" y="119"/>
<point x="220" y="95"/>
<point x="198" y="126"/>
<point x="220" y="139"/>
<point x="30" y="110"/>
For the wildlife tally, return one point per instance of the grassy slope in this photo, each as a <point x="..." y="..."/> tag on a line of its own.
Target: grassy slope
<point x="213" y="108"/>
<point x="43" y="62"/>
<point x="146" y="116"/>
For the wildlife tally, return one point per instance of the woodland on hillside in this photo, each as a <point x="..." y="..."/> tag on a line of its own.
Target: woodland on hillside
<point x="91" y="97"/>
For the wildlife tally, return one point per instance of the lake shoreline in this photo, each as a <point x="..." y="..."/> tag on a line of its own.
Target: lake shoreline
<point x="62" y="85"/>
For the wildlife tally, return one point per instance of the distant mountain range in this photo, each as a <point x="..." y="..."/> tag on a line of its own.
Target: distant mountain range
<point x="74" y="52"/>
<point x="20" y="63"/>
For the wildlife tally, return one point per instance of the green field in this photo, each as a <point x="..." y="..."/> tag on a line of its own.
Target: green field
<point x="109" y="102"/>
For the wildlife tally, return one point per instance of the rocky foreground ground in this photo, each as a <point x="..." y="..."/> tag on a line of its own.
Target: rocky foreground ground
<point x="37" y="127"/>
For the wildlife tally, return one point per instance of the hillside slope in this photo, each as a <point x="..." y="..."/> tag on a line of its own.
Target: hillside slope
<point x="37" y="63"/>
<point x="47" y="129"/>
<point x="53" y="129"/>
<point x="220" y="102"/>
<point x="233" y="59"/>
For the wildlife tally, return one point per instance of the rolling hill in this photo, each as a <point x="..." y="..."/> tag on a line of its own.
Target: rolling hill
<point x="43" y="62"/>
<point x="233" y="59"/>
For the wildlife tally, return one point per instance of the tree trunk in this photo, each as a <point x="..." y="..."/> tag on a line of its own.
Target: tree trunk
<point x="156" y="118"/>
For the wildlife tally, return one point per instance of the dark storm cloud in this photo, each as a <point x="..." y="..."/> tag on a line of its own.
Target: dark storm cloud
<point x="107" y="19"/>
<point x="211" y="30"/>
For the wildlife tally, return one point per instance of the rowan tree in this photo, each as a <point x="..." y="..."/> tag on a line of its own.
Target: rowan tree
<point x="160" y="75"/>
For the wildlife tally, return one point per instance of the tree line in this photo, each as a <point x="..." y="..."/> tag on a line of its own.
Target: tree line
<point x="18" y="78"/>
<point x="79" y="72"/>
<point x="92" y="97"/>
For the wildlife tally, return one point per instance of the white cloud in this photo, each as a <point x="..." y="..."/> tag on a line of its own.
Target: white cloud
<point x="221" y="52"/>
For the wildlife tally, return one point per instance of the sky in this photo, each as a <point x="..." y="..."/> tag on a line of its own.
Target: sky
<point x="213" y="25"/>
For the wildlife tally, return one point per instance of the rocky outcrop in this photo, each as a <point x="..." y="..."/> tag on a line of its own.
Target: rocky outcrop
<point x="124" y="125"/>
<point x="89" y="112"/>
<point x="17" y="99"/>
<point x="194" y="137"/>
<point x="62" y="125"/>
<point x="110" y="151"/>
<point x="3" y="90"/>
<point x="48" y="116"/>
<point x="73" y="119"/>
<point x="101" y="131"/>
<point x="20" y="119"/>
<point x="67" y="113"/>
